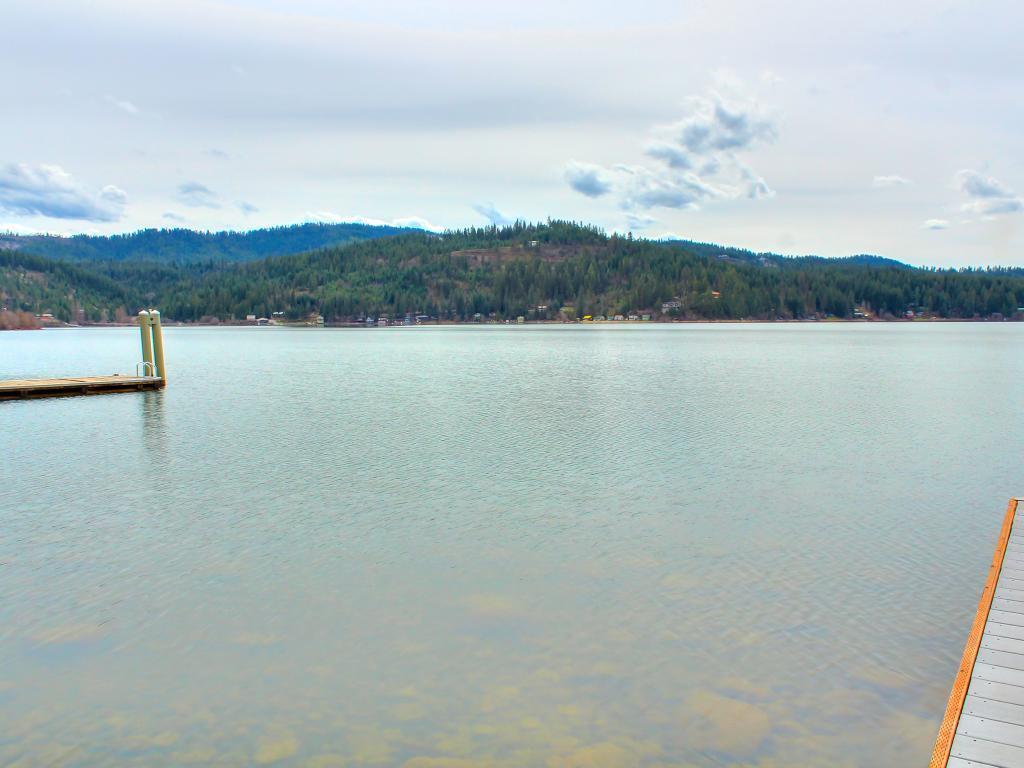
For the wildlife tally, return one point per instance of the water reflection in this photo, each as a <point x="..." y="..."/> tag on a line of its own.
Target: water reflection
<point x="154" y="427"/>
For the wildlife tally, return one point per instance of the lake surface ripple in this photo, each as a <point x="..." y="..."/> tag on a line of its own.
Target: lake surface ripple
<point x="755" y="545"/>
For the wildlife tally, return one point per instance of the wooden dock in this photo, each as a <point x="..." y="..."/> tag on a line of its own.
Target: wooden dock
<point x="18" y="389"/>
<point x="984" y="722"/>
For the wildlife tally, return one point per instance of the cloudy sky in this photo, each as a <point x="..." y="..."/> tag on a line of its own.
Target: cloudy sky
<point x="812" y="127"/>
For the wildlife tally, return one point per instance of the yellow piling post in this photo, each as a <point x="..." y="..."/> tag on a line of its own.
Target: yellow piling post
<point x="147" y="344"/>
<point x="158" y="344"/>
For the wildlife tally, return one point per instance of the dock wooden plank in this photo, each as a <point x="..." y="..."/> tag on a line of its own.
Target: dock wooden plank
<point x="997" y="643"/>
<point x="986" y="689"/>
<point x="1001" y="659"/>
<point x="999" y="674"/>
<point x="1013" y="573"/>
<point x="987" y="752"/>
<point x="1005" y="617"/>
<point x="991" y="730"/>
<point x="1004" y="630"/>
<point x="1003" y="711"/>
<point x="16" y="389"/>
<point x="1005" y="604"/>
<point x="959" y="762"/>
<point x="1009" y="593"/>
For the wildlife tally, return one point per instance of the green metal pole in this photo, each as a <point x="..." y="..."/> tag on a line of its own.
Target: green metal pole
<point x="147" y="344"/>
<point x="158" y="344"/>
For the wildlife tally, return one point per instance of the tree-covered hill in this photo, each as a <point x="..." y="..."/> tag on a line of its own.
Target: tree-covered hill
<point x="185" y="246"/>
<point x="545" y="271"/>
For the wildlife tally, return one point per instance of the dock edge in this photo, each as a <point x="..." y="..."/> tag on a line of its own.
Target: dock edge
<point x="955" y="705"/>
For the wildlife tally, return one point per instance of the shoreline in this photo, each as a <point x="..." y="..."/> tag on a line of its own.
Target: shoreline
<point x="490" y="324"/>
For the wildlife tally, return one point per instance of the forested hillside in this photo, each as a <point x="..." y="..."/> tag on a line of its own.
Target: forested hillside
<point x="186" y="246"/>
<point x="558" y="269"/>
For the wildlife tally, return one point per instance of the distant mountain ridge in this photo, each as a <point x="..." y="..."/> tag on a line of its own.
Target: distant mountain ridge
<point x="712" y="250"/>
<point x="548" y="271"/>
<point x="187" y="246"/>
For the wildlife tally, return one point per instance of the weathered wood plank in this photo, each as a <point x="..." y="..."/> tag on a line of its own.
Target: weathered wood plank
<point x="1001" y="659"/>
<point x="986" y="689"/>
<point x="1012" y="573"/>
<point x="1003" y="617"/>
<point x="1009" y="593"/>
<point x="1002" y="711"/>
<point x="987" y="752"/>
<point x="16" y="389"/>
<point x="1004" y="630"/>
<point x="999" y="674"/>
<point x="1004" y="604"/>
<point x="991" y="730"/>
<point x="959" y="762"/>
<point x="997" y="643"/>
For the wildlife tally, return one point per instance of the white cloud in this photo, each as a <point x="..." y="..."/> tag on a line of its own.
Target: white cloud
<point x="49" y="190"/>
<point x="196" y="195"/>
<point x="754" y="187"/>
<point x="988" y="196"/>
<point x="20" y="229"/>
<point x="936" y="224"/>
<point x="123" y="104"/>
<point x="492" y="214"/>
<point x="881" y="182"/>
<point x="416" y="222"/>
<point x="698" y="157"/>
<point x="645" y="188"/>
<point x="588" y="179"/>
<point x="406" y="222"/>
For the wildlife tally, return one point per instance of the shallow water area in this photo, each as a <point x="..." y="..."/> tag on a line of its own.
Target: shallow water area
<point x="644" y="545"/>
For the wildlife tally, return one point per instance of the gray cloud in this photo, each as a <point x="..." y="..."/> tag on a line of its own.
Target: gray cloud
<point x="492" y="214"/>
<point x="588" y="179"/>
<point x="715" y="126"/>
<point x="698" y="156"/>
<point x="196" y="195"/>
<point x="171" y="216"/>
<point x="977" y="185"/>
<point x="881" y="182"/>
<point x="247" y="208"/>
<point x="989" y="197"/>
<point x="673" y="156"/>
<point x="49" y="190"/>
<point x="635" y="221"/>
<point x="936" y="224"/>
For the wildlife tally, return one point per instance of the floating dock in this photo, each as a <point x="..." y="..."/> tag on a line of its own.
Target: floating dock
<point x="984" y="722"/>
<point x="18" y="389"/>
<point x="152" y="369"/>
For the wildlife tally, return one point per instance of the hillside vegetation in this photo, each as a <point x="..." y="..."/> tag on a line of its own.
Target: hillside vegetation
<point x="544" y="271"/>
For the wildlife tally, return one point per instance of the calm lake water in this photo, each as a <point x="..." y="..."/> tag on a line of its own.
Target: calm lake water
<point x="571" y="547"/>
